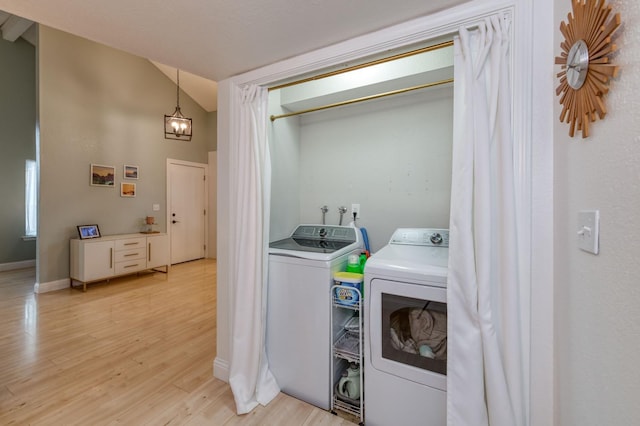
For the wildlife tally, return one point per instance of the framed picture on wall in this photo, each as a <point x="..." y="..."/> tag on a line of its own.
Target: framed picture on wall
<point x="127" y="189"/>
<point x="103" y="175"/>
<point x="88" y="231"/>
<point x="130" y="172"/>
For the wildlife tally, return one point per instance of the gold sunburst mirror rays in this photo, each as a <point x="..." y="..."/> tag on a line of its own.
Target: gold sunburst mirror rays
<point x="585" y="67"/>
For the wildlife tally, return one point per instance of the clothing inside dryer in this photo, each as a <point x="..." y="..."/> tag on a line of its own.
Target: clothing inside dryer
<point x="414" y="332"/>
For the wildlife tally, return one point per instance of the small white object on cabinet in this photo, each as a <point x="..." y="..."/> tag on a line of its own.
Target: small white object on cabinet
<point x="115" y="255"/>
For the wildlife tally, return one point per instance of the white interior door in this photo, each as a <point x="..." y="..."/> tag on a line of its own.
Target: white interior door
<point x="187" y="210"/>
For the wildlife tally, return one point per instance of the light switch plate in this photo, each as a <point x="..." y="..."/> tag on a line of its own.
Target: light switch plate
<point x="156" y="207"/>
<point x="588" y="232"/>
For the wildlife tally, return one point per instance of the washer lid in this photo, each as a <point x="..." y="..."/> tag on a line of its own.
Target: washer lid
<point x="318" y="242"/>
<point x="308" y="244"/>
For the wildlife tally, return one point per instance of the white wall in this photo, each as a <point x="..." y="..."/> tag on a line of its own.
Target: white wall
<point x="597" y="297"/>
<point x="284" y="147"/>
<point x="392" y="156"/>
<point x="542" y="235"/>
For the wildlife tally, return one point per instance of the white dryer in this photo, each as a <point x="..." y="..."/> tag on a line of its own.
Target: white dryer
<point x="405" y="330"/>
<point x="299" y="329"/>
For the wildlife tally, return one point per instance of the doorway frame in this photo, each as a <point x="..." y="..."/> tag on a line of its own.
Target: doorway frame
<point x="205" y="167"/>
<point x="534" y="161"/>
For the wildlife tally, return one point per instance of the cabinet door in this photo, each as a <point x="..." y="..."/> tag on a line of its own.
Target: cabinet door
<point x="157" y="251"/>
<point x="98" y="260"/>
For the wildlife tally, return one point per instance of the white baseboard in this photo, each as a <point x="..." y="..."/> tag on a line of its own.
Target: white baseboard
<point x="17" y="265"/>
<point x="51" y="286"/>
<point x="221" y="369"/>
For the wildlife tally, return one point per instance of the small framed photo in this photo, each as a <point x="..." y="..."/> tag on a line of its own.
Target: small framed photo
<point x="88" y="231"/>
<point x="127" y="189"/>
<point x="103" y="175"/>
<point x="130" y="172"/>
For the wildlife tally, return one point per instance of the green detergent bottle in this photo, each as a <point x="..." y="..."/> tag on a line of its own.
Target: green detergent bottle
<point x="362" y="261"/>
<point x="353" y="264"/>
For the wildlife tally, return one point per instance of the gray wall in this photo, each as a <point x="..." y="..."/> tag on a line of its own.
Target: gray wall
<point x="101" y="105"/>
<point x="17" y="144"/>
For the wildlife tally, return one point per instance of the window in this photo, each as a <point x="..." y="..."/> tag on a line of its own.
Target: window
<point x="31" y="199"/>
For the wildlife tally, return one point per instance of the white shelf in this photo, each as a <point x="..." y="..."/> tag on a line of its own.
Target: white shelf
<point x="347" y="348"/>
<point x="347" y="407"/>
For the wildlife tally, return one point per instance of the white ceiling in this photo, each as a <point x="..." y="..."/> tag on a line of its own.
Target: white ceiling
<point x="201" y="90"/>
<point x="217" y="39"/>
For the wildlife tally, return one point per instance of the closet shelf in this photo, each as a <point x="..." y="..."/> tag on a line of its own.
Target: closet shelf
<point x="347" y="346"/>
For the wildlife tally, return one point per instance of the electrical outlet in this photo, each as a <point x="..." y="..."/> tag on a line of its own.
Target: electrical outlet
<point x="355" y="208"/>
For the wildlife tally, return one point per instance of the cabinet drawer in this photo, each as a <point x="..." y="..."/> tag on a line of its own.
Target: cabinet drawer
<point x="130" y="266"/>
<point x="131" y="254"/>
<point x="130" y="243"/>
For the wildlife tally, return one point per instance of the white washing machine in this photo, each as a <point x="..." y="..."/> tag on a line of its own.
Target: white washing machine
<point x="299" y="327"/>
<point x="405" y="321"/>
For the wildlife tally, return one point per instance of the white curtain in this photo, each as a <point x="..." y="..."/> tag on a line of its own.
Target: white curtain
<point x="485" y="371"/>
<point x="250" y="181"/>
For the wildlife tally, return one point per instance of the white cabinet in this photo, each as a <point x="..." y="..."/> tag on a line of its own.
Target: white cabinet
<point x="97" y="260"/>
<point x="130" y="255"/>
<point x="114" y="255"/>
<point x="158" y="251"/>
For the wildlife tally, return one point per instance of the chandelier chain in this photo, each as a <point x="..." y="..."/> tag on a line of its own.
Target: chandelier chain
<point x="178" y="87"/>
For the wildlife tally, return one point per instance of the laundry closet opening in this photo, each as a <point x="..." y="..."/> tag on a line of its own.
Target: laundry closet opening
<point x="389" y="154"/>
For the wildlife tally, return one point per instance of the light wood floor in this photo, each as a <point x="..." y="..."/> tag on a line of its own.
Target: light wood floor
<point x="138" y="350"/>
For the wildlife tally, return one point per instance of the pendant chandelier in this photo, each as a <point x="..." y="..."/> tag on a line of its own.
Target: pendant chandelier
<point x="177" y="126"/>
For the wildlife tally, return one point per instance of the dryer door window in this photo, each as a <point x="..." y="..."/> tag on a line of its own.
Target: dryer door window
<point x="414" y="332"/>
<point x="408" y="331"/>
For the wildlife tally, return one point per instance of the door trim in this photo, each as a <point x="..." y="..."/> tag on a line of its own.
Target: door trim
<point x="204" y="167"/>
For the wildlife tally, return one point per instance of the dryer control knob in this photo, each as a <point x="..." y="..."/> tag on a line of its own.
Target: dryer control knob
<point x="436" y="238"/>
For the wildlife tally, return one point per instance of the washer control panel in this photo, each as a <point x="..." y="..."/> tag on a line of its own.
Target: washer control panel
<point x="328" y="232"/>
<point x="435" y="237"/>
